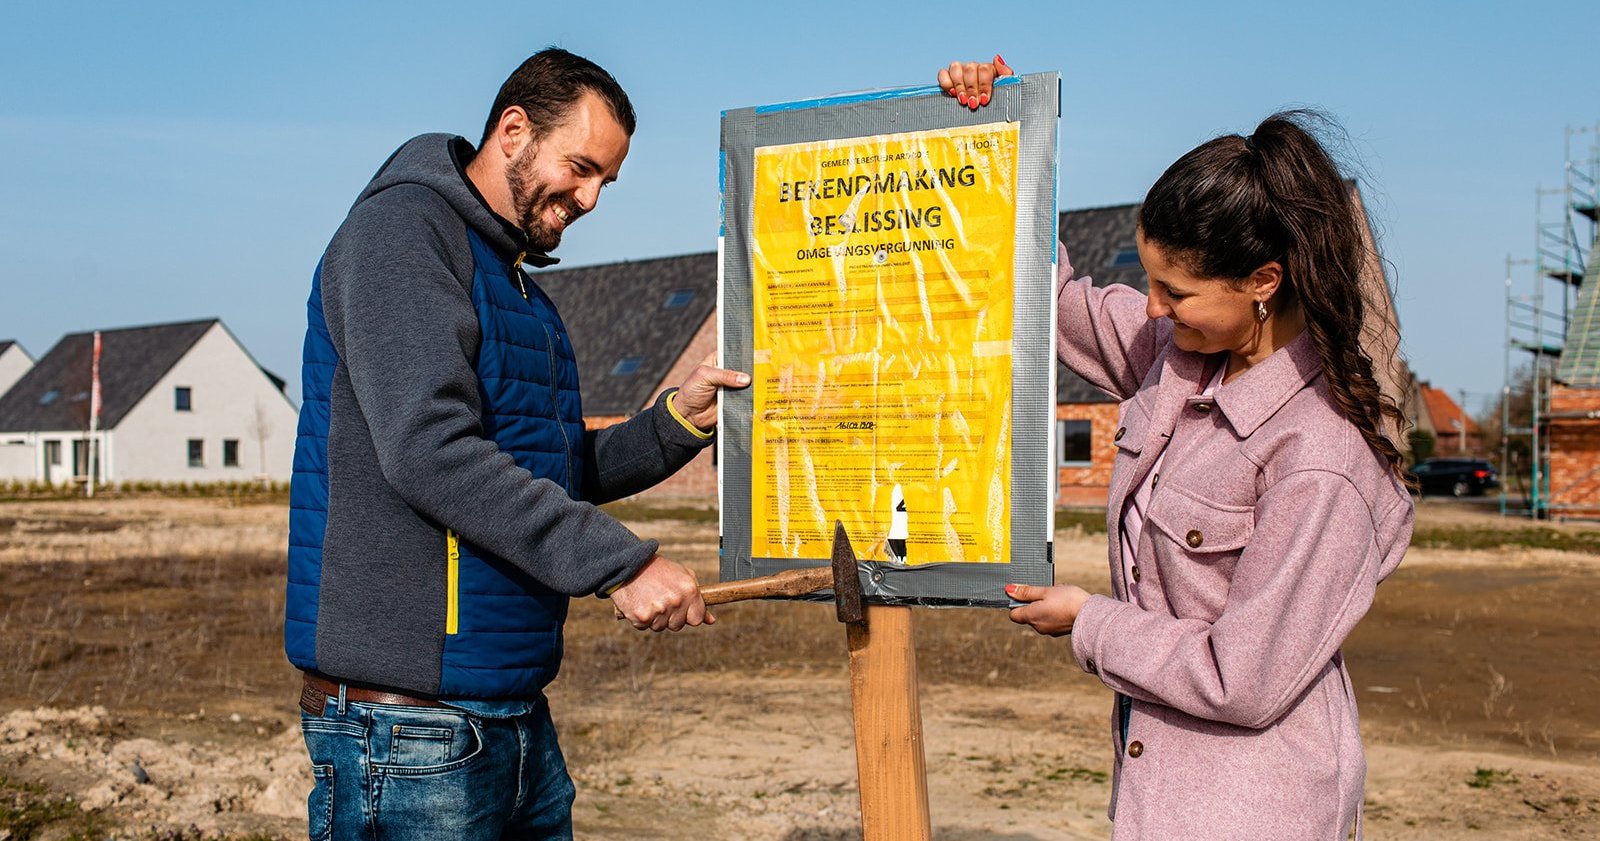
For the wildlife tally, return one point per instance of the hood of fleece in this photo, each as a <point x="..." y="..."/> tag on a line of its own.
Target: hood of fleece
<point x="438" y="162"/>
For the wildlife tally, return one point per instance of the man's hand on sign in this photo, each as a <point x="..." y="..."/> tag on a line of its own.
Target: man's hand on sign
<point x="1049" y="610"/>
<point x="972" y="82"/>
<point x="662" y="596"/>
<point x="696" y="400"/>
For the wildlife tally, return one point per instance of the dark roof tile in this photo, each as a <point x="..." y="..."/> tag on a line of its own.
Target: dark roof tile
<point x="1099" y="241"/>
<point x="619" y="320"/>
<point x="132" y="361"/>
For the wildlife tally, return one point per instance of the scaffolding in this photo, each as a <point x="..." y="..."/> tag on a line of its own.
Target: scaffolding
<point x="1557" y="323"/>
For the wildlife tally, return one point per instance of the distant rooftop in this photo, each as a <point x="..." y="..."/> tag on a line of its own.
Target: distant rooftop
<point x="1100" y="244"/>
<point x="54" y="394"/>
<point x="630" y="322"/>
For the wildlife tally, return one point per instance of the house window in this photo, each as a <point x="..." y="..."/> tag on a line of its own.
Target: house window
<point x="230" y="452"/>
<point x="52" y="461"/>
<point x="679" y="299"/>
<point x="81" y="452"/>
<point x="1075" y="438"/>
<point x="627" y="366"/>
<point x="197" y="452"/>
<point x="181" y="399"/>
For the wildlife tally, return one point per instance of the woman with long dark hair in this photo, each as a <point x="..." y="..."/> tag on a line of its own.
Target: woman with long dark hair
<point x="1256" y="499"/>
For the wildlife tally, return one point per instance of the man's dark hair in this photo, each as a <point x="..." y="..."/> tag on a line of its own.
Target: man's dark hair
<point x="549" y="83"/>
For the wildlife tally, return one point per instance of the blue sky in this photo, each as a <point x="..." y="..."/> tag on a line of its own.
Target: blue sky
<point x="165" y="161"/>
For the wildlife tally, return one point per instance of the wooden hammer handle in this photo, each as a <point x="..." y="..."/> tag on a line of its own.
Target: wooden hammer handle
<point x="790" y="582"/>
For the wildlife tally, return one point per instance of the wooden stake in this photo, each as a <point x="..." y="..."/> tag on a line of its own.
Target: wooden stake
<point x="888" y="718"/>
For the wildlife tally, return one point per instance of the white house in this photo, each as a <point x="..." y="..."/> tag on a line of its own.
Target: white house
<point x="14" y="362"/>
<point x="179" y="403"/>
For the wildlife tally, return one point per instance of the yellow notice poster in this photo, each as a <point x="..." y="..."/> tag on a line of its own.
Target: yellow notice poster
<point x="882" y="280"/>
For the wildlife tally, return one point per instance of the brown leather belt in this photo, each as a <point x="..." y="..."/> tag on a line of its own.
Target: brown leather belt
<point x="317" y="690"/>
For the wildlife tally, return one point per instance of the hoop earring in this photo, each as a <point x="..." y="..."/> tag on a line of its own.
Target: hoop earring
<point x="1261" y="311"/>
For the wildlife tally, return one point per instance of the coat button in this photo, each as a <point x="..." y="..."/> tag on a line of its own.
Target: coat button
<point x="1135" y="749"/>
<point x="1202" y="408"/>
<point x="1155" y="480"/>
<point x="1121" y="431"/>
<point x="1090" y="666"/>
<point x="1136" y="575"/>
<point x="1194" y="538"/>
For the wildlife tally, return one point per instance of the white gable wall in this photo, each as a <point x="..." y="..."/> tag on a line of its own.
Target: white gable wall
<point x="18" y="451"/>
<point x="13" y="364"/>
<point x="231" y="399"/>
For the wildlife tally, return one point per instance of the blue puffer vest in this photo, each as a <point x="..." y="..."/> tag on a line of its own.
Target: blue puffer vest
<point x="502" y="631"/>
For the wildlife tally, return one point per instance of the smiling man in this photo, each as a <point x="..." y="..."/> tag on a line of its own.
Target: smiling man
<point x="443" y="501"/>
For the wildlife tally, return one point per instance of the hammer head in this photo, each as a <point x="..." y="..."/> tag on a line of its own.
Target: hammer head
<point x="846" y="580"/>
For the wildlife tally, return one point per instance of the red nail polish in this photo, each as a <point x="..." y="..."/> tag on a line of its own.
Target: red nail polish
<point x="962" y="98"/>
<point x="983" y="100"/>
<point x="998" y="59"/>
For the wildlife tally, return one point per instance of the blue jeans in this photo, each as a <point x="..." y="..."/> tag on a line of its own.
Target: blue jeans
<point x="400" y="773"/>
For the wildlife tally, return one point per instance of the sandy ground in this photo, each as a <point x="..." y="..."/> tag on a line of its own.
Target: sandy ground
<point x="1479" y="672"/>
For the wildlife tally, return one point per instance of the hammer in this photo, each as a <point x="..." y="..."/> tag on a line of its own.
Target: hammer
<point x="841" y="576"/>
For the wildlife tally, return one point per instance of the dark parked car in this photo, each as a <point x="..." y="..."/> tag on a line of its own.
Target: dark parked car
<point x="1455" y="476"/>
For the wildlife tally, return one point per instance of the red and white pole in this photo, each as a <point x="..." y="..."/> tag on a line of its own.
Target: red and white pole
<point x="92" y="449"/>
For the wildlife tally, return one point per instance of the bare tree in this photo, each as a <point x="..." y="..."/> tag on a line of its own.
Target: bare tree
<point x="261" y="429"/>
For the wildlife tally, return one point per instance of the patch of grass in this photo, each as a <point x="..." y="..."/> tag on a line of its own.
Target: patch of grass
<point x="1093" y="521"/>
<point x="1490" y="777"/>
<point x="636" y="511"/>
<point x="132" y="632"/>
<point x="239" y="493"/>
<point x="1494" y="538"/>
<point x="1077" y="775"/>
<point x="29" y="811"/>
<point x="194" y="833"/>
<point x="1089" y="520"/>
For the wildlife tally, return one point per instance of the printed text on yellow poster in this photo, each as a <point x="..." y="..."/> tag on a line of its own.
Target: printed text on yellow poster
<point x="882" y="348"/>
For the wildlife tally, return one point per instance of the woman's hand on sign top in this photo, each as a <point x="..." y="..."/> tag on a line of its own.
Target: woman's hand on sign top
<point x="972" y="82"/>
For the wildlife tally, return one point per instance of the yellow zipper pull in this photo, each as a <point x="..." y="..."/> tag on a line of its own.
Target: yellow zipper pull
<point x="516" y="268"/>
<point x="452" y="574"/>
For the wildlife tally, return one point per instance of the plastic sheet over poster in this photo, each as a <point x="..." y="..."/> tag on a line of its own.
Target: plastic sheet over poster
<point x="886" y="276"/>
<point x="882" y="284"/>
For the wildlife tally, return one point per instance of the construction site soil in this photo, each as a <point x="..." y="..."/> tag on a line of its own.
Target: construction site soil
<point x="143" y="692"/>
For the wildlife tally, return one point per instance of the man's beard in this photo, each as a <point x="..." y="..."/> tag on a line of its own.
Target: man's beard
<point x="530" y="198"/>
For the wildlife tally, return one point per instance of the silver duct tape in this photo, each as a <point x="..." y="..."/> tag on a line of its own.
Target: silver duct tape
<point x="1034" y="102"/>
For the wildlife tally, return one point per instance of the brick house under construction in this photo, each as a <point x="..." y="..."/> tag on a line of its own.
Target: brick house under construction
<point x="1574" y="417"/>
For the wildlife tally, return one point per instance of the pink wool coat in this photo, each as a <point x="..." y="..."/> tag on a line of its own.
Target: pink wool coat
<point x="1271" y="524"/>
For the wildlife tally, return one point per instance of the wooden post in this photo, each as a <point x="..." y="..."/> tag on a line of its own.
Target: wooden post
<point x="888" y="718"/>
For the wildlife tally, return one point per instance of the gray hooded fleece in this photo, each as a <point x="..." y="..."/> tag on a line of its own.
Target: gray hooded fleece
<point x="406" y="451"/>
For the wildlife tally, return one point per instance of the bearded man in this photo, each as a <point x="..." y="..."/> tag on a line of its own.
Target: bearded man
<point x="443" y="500"/>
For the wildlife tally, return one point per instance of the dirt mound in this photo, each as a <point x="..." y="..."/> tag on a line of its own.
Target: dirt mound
<point x="216" y="787"/>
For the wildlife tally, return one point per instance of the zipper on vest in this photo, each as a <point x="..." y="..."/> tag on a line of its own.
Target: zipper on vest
<point x="452" y="587"/>
<point x="555" y="398"/>
<point x="555" y="393"/>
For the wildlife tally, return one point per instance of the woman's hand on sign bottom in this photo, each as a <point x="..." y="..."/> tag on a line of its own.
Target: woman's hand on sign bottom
<point x="972" y="82"/>
<point x="1048" y="610"/>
